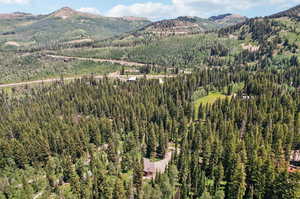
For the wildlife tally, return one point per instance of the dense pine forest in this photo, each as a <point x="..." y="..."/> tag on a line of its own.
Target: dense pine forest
<point x="87" y="139"/>
<point x="224" y="125"/>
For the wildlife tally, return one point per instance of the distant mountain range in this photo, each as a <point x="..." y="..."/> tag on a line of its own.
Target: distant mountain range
<point x="68" y="25"/>
<point x="62" y="25"/>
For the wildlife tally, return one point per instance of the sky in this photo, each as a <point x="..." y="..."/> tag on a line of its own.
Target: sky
<point x="152" y="9"/>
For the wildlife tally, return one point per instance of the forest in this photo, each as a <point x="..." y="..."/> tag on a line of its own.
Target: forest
<point x="87" y="139"/>
<point x="224" y="125"/>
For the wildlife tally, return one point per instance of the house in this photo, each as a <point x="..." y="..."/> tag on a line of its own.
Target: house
<point x="132" y="79"/>
<point x="246" y="97"/>
<point x="294" y="161"/>
<point x="161" y="81"/>
<point x="295" y="156"/>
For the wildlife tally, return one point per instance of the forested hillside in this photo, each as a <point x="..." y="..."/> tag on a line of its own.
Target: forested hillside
<point x="64" y="25"/>
<point x="188" y="24"/>
<point x="272" y="42"/>
<point x="292" y="12"/>
<point x="222" y="122"/>
<point x="193" y="51"/>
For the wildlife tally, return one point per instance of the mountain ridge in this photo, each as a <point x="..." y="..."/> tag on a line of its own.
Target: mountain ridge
<point x="193" y="24"/>
<point x="14" y="15"/>
<point x="292" y="12"/>
<point x="67" y="12"/>
<point x="63" y="25"/>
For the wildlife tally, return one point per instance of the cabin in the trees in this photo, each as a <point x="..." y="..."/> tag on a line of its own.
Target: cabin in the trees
<point x="295" y="161"/>
<point x="295" y="156"/>
<point x="132" y="79"/>
<point x="161" y="81"/>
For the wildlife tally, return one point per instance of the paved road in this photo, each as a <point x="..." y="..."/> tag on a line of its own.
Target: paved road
<point x="112" y="76"/>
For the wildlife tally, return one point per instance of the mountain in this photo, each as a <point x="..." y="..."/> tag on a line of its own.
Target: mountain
<point x="292" y="12"/>
<point x="131" y="18"/>
<point x="270" y="41"/>
<point x="67" y="12"/>
<point x="14" y="15"/>
<point x="228" y="19"/>
<point x="219" y="17"/>
<point x="264" y="28"/>
<point x="180" y="25"/>
<point x="63" y="25"/>
<point x="187" y="24"/>
<point x="70" y="26"/>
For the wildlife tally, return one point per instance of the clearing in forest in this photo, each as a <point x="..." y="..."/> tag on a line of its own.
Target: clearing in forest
<point x="211" y="98"/>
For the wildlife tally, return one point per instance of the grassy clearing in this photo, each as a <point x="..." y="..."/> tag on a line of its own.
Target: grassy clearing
<point x="211" y="98"/>
<point x="88" y="67"/>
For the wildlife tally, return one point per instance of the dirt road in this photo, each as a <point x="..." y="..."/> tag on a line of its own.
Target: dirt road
<point x="123" y="63"/>
<point x="152" y="168"/>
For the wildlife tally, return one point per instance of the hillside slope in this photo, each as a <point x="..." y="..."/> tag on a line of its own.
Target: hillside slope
<point x="187" y="24"/>
<point x="292" y="12"/>
<point x="258" y="42"/>
<point x="270" y="41"/>
<point x="63" y="25"/>
<point x="228" y="19"/>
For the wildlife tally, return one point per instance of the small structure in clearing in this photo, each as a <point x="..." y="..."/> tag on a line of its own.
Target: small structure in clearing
<point x="250" y="48"/>
<point x="295" y="156"/>
<point x="132" y="79"/>
<point x="161" y="81"/>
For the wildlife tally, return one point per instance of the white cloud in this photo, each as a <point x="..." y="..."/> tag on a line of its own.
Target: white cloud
<point x="14" y="1"/>
<point x="89" y="10"/>
<point x="284" y="4"/>
<point x="150" y="10"/>
<point x="202" y="8"/>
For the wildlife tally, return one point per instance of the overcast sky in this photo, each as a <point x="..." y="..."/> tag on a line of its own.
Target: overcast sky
<point x="154" y="9"/>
